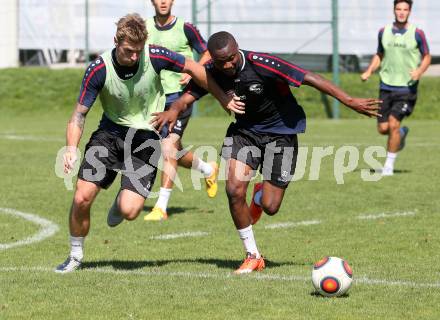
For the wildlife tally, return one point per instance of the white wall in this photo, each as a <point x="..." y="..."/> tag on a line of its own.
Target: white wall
<point x="360" y="21"/>
<point x="60" y="23"/>
<point x="8" y="34"/>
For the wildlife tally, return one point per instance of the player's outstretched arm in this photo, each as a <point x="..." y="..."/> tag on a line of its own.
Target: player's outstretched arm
<point x="160" y="119"/>
<point x="205" y="57"/>
<point x="367" y="107"/>
<point x="75" y="128"/>
<point x="200" y="76"/>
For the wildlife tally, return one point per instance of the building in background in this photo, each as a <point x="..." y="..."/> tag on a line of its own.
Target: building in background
<point x="9" y="33"/>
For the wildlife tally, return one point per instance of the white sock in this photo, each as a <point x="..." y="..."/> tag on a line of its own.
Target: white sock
<point x="247" y="236"/>
<point x="257" y="197"/>
<point x="204" y="167"/>
<point x="164" y="196"/>
<point x="389" y="162"/>
<point x="77" y="247"/>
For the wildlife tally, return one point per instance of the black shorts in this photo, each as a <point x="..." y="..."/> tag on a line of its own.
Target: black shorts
<point x="105" y="156"/>
<point x="398" y="104"/>
<point x="274" y="154"/>
<point x="182" y="120"/>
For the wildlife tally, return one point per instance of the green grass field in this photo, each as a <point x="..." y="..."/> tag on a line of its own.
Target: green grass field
<point x="131" y="273"/>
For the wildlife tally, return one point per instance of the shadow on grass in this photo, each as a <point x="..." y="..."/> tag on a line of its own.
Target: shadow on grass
<point x="396" y="171"/>
<point x="318" y="295"/>
<point x="134" y="265"/>
<point x="179" y="210"/>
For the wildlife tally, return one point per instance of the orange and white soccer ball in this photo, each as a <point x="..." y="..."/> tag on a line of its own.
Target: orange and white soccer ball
<point x="332" y="276"/>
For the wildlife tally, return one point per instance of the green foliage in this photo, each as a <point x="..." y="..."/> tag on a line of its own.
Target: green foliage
<point x="38" y="89"/>
<point x="25" y="90"/>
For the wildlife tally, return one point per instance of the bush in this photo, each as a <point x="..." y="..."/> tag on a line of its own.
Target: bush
<point x="45" y="90"/>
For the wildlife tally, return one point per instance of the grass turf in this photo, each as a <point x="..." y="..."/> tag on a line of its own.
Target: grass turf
<point x="130" y="275"/>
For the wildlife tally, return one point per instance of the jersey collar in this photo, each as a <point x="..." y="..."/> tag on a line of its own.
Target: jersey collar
<point x="167" y="26"/>
<point x="242" y="59"/>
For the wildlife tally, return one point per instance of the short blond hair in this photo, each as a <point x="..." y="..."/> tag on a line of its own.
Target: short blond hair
<point x="131" y="28"/>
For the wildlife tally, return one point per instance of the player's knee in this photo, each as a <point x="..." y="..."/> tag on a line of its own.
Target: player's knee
<point x="82" y="199"/>
<point x="235" y="192"/>
<point x="169" y="150"/>
<point x="382" y="130"/>
<point x="129" y="211"/>
<point x="270" y="208"/>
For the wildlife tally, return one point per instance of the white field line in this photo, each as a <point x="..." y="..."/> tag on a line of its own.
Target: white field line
<point x="401" y="283"/>
<point x="291" y="224"/>
<point x="206" y="275"/>
<point x="386" y="215"/>
<point x="180" y="235"/>
<point x="28" y="138"/>
<point x="48" y="228"/>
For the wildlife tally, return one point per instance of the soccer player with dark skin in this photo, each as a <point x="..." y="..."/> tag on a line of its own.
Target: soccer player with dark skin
<point x="403" y="56"/>
<point x="127" y="81"/>
<point x="267" y="125"/>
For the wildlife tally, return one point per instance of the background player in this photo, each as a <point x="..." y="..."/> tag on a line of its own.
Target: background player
<point x="403" y="56"/>
<point x="173" y="33"/>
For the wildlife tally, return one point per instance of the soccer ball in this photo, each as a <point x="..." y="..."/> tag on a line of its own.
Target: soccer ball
<point x="332" y="276"/>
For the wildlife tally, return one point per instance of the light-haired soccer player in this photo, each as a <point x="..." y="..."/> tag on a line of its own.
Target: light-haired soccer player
<point x="264" y="135"/>
<point x="167" y="30"/>
<point x="127" y="81"/>
<point x="403" y="56"/>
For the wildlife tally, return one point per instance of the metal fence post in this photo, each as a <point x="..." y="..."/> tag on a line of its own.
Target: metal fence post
<point x="209" y="17"/>
<point x="335" y="58"/>
<point x="86" y="45"/>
